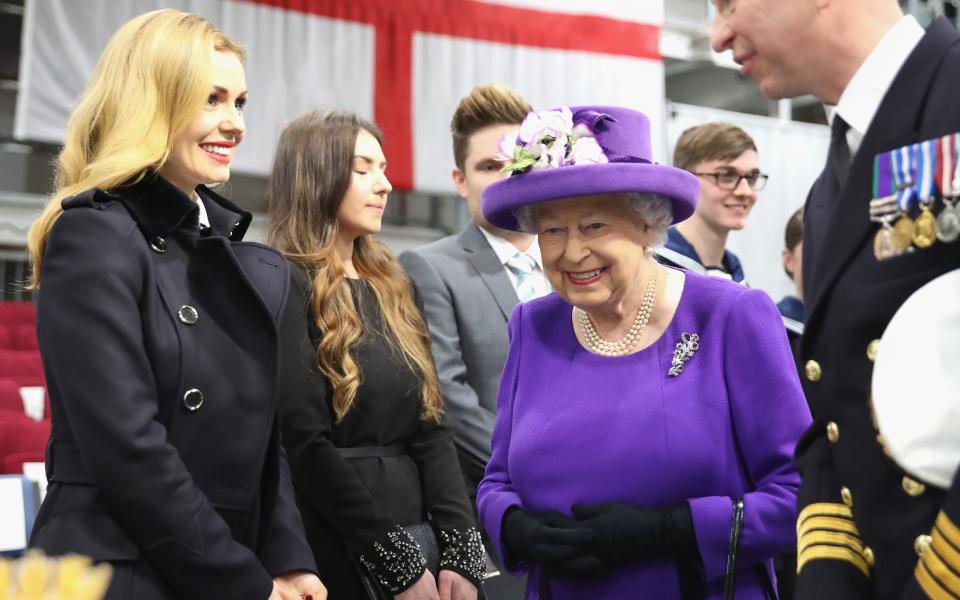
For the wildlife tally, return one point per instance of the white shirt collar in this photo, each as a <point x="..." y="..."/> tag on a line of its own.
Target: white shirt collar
<point x="202" y="218"/>
<point x="505" y="250"/>
<point x="861" y="98"/>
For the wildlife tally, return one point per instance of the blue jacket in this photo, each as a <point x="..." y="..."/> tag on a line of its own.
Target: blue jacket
<point x="678" y="252"/>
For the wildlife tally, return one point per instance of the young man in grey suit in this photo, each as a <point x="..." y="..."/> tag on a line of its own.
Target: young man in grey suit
<point x="470" y="282"/>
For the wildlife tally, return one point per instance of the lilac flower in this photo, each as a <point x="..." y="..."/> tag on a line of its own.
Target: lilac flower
<point x="586" y="151"/>
<point x="506" y="147"/>
<point x="546" y="123"/>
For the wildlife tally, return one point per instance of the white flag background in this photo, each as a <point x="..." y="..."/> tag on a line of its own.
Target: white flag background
<point x="403" y="63"/>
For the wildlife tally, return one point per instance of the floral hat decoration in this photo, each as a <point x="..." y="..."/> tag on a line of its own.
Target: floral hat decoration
<point x="583" y="151"/>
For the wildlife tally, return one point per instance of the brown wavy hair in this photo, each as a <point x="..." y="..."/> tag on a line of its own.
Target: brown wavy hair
<point x="311" y="174"/>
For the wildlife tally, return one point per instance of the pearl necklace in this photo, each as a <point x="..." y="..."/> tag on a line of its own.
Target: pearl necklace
<point x="603" y="347"/>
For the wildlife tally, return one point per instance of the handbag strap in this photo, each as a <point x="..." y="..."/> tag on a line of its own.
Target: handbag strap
<point x="729" y="580"/>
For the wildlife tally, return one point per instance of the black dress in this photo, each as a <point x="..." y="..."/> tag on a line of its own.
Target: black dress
<point x="353" y="508"/>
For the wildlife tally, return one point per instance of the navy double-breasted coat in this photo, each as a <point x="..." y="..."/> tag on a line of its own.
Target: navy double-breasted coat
<point x="159" y="343"/>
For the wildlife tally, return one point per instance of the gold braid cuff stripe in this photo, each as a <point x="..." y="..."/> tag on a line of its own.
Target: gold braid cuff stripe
<point x="938" y="571"/>
<point x="950" y="531"/>
<point x="825" y="530"/>
<point x="930" y="586"/>
<point x="824" y="509"/>
<point x="841" y="553"/>
<point x="831" y="538"/>
<point x="813" y="524"/>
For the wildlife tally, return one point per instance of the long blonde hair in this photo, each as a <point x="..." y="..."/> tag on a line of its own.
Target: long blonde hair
<point x="149" y="84"/>
<point x="311" y="174"/>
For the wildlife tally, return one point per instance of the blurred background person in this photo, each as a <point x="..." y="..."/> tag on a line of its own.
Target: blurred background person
<point x="361" y="408"/>
<point x="791" y="305"/>
<point x="632" y="452"/>
<point x="724" y="158"/>
<point x="157" y="329"/>
<point x="470" y="282"/>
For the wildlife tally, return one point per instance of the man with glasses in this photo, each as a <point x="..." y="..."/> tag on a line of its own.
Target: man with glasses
<point x="874" y="522"/>
<point x="724" y="159"/>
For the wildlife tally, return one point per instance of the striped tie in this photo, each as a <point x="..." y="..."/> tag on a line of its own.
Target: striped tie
<point x="522" y="266"/>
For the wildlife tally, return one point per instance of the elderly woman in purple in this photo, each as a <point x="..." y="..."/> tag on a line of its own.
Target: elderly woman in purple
<point x="647" y="416"/>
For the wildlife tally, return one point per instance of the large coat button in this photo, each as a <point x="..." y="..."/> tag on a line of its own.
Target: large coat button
<point x="872" y="349"/>
<point x="868" y="555"/>
<point x="921" y="544"/>
<point x="188" y="314"/>
<point x="847" y="496"/>
<point x="913" y="487"/>
<point x="158" y="245"/>
<point x="193" y="399"/>
<point x="833" y="432"/>
<point x="812" y="370"/>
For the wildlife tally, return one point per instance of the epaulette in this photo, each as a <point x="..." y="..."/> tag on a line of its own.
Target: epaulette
<point x="92" y="198"/>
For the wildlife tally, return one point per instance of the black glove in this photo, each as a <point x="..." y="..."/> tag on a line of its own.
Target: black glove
<point x="547" y="538"/>
<point x="625" y="533"/>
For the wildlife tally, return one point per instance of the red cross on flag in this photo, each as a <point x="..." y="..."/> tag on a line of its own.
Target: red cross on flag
<point x="402" y="63"/>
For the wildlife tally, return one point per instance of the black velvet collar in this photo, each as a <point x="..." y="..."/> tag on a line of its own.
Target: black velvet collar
<point x="161" y="208"/>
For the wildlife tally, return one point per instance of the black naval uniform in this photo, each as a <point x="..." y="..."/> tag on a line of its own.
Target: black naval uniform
<point x="868" y="529"/>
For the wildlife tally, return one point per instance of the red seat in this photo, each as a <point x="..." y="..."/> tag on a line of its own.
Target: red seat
<point x="24" y="337"/>
<point x="13" y="463"/>
<point x="6" y="337"/>
<point x="13" y="313"/>
<point x="21" y="365"/>
<point x="10" y="395"/>
<point x="21" y="434"/>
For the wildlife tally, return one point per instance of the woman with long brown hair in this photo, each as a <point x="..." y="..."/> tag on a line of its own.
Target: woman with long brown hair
<point x="361" y="408"/>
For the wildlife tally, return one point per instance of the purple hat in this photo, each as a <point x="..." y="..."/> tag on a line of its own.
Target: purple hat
<point x="583" y="151"/>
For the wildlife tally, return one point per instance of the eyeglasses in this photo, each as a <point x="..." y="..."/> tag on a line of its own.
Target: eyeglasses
<point x="730" y="180"/>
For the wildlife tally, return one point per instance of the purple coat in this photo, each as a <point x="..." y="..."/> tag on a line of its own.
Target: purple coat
<point x="575" y="427"/>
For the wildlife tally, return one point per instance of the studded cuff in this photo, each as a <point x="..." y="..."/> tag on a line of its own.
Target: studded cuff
<point x="398" y="564"/>
<point x="461" y="550"/>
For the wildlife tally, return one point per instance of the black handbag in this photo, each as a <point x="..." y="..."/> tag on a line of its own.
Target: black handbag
<point x="729" y="578"/>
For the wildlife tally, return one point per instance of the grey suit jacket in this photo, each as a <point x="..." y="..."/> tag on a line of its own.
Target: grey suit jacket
<point x="467" y="299"/>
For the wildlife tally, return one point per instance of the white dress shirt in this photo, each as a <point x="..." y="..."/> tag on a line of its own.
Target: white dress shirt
<point x="862" y="97"/>
<point x="506" y="250"/>
<point x="202" y="219"/>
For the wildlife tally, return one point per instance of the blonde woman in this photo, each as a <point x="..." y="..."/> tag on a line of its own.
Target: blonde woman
<point x="361" y="408"/>
<point x="157" y="327"/>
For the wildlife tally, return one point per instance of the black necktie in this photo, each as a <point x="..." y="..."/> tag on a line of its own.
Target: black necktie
<point x="839" y="150"/>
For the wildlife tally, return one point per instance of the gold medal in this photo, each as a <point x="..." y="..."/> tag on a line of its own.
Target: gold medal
<point x="926" y="228"/>
<point x="884" y="246"/>
<point x="903" y="231"/>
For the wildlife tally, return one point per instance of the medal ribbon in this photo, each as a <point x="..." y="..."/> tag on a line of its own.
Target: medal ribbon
<point x="945" y="165"/>
<point x="925" y="154"/>
<point x="883" y="175"/>
<point x="955" y="155"/>
<point x="903" y="176"/>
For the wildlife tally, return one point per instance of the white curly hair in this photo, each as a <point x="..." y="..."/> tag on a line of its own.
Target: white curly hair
<point x="655" y="211"/>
